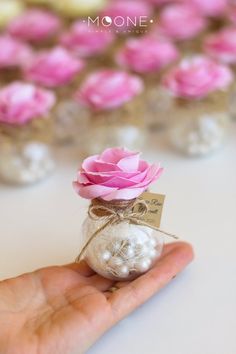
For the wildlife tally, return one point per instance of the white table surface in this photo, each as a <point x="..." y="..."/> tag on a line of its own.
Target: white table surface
<point x="196" y="313"/>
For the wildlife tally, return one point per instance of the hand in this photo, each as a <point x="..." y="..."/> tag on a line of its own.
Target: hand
<point x="64" y="310"/>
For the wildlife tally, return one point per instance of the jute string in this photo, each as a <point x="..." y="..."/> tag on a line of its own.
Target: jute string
<point x="116" y="212"/>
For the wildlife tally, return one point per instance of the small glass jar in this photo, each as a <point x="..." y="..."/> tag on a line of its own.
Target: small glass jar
<point x="199" y="127"/>
<point x="25" y="153"/>
<point x="123" y="126"/>
<point x="14" y="55"/>
<point x="70" y="120"/>
<point x="113" y="101"/>
<point x="59" y="70"/>
<point x="157" y="104"/>
<point x="150" y="64"/>
<point x="85" y="41"/>
<point x="121" y="251"/>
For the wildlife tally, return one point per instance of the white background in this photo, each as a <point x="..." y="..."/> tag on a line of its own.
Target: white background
<point x="196" y="313"/>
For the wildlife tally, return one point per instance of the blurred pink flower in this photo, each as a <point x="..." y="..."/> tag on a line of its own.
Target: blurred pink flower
<point x="181" y="22"/>
<point x="52" y="68"/>
<point x="21" y="103"/>
<point x="147" y="54"/>
<point x="210" y="8"/>
<point x="13" y="53"/>
<point x="196" y="77"/>
<point x="35" y="25"/>
<point x="222" y="45"/>
<point x="108" y="89"/>
<point x="85" y="41"/>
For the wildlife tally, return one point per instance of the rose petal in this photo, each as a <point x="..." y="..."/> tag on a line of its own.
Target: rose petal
<point x="129" y="163"/>
<point x="114" y="155"/>
<point x="121" y="182"/>
<point x="89" y="163"/>
<point x="92" y="191"/>
<point x="106" y="166"/>
<point x="93" y="178"/>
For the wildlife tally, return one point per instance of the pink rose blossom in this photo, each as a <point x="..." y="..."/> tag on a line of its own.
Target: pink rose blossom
<point x="222" y="45"/>
<point x="210" y="8"/>
<point x="115" y="174"/>
<point x="21" y="103"/>
<point x="53" y="68"/>
<point x="181" y="22"/>
<point x="86" y="41"/>
<point x="120" y="10"/>
<point x="35" y="25"/>
<point x="147" y="54"/>
<point x="196" y="77"/>
<point x="108" y="89"/>
<point x="13" y="53"/>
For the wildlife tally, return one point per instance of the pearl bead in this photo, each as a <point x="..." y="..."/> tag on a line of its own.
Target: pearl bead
<point x="130" y="252"/>
<point x="152" y="253"/>
<point x="106" y="255"/>
<point x="153" y="242"/>
<point x="143" y="265"/>
<point x="123" y="271"/>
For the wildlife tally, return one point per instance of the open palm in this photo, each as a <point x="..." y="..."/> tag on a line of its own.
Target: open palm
<point x="64" y="310"/>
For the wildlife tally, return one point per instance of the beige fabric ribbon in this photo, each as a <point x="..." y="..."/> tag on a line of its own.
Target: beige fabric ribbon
<point x="114" y="215"/>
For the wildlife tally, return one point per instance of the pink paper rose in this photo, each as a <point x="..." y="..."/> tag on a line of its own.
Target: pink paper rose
<point x="123" y="13"/>
<point x="53" y="68"/>
<point x="21" y="102"/>
<point x="13" y="53"/>
<point x="222" y="45"/>
<point x="196" y="77"/>
<point x="210" y="8"/>
<point x="115" y="174"/>
<point x="35" y="25"/>
<point x="108" y="89"/>
<point x="181" y="22"/>
<point x="147" y="54"/>
<point x="86" y="41"/>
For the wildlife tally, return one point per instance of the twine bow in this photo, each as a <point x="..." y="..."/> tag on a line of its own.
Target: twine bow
<point x="111" y="216"/>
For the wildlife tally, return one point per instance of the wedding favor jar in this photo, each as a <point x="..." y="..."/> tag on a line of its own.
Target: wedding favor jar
<point x="25" y="154"/>
<point x="112" y="100"/>
<point x="13" y="55"/>
<point x="84" y="40"/>
<point x="60" y="70"/>
<point x="215" y="10"/>
<point x="37" y="26"/>
<point x="149" y="56"/>
<point x="117" y="243"/>
<point x="184" y="24"/>
<point x="222" y="47"/>
<point x="200" y="105"/>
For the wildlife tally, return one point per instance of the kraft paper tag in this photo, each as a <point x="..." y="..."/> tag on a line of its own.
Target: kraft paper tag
<point x="155" y="204"/>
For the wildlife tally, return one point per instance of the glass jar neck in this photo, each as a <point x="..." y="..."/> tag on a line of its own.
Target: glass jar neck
<point x="37" y="129"/>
